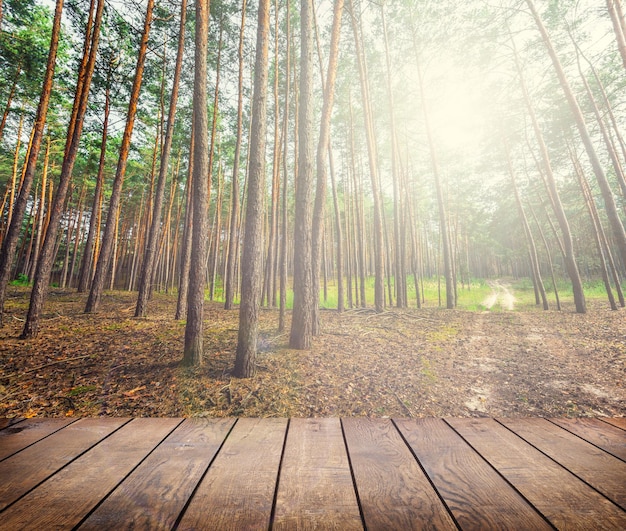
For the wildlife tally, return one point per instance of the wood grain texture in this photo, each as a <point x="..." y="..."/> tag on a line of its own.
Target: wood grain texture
<point x="156" y="492"/>
<point x="560" y="496"/>
<point x="620" y="422"/>
<point x="602" y="434"/>
<point x="475" y="493"/>
<point x="604" y="472"/>
<point x="24" y="470"/>
<point x="393" y="490"/>
<point x="238" y="490"/>
<point x="315" y="486"/>
<point x="66" y="498"/>
<point x="16" y="438"/>
<point x="5" y="423"/>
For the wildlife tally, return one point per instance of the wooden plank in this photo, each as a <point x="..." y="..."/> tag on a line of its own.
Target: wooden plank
<point x="16" y="438"/>
<point x="66" y="498"/>
<point x="393" y="490"/>
<point x="154" y="495"/>
<point x="5" y="422"/>
<point x="238" y="489"/>
<point x="477" y="495"/>
<point x="610" y="438"/>
<point x="315" y="486"/>
<point x="619" y="422"/>
<point x="26" y="469"/>
<point x="602" y="471"/>
<point x="560" y="496"/>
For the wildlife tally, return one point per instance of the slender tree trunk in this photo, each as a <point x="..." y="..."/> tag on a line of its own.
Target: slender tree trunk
<point x="304" y="298"/>
<point x="269" y="288"/>
<point x="339" y="232"/>
<point x="613" y="6"/>
<point x="185" y="252"/>
<point x="379" y="257"/>
<point x="104" y="259"/>
<point x="602" y="244"/>
<point x="549" y="257"/>
<point x="252" y="268"/>
<point x="443" y="221"/>
<point x="147" y="271"/>
<point x="322" y="158"/>
<point x="84" y="280"/>
<point x="16" y="158"/>
<point x="399" y="269"/>
<point x="532" y="248"/>
<point x="233" y="247"/>
<point x="195" y="298"/>
<point x="283" y="214"/>
<point x="44" y="266"/>
<point x="568" y="244"/>
<point x="595" y="229"/>
<point x="609" y="201"/>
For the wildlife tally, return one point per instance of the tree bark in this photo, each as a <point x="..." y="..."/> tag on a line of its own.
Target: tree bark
<point x="147" y="270"/>
<point x="379" y="258"/>
<point x="614" y="9"/>
<point x="233" y="246"/>
<point x="185" y="254"/>
<point x="251" y="264"/>
<point x="304" y="298"/>
<point x="283" y="214"/>
<point x="195" y="298"/>
<point x="104" y="259"/>
<point x="322" y="158"/>
<point x="89" y="257"/>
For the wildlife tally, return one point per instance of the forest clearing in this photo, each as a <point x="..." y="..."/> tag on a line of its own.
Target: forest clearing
<point x="183" y="183"/>
<point x="402" y="363"/>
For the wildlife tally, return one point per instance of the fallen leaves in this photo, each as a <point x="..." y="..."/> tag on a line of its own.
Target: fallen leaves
<point x="427" y="362"/>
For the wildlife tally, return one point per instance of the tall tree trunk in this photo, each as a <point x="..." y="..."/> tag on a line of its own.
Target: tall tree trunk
<point x="399" y="268"/>
<point x="147" y="270"/>
<point x="614" y="8"/>
<point x="532" y="248"/>
<point x="89" y="257"/>
<point x="443" y="221"/>
<point x="252" y="267"/>
<point x="185" y="253"/>
<point x="568" y="244"/>
<point x="604" y="249"/>
<point x="30" y="271"/>
<point x="610" y="147"/>
<point x="195" y="298"/>
<point x="609" y="201"/>
<point x="379" y="257"/>
<point x="16" y="158"/>
<point x="303" y="296"/>
<point x="233" y="247"/>
<point x="322" y="158"/>
<point x="283" y="214"/>
<point x="549" y="257"/>
<point x="339" y="232"/>
<point x="104" y="259"/>
<point x="269" y="288"/>
<point x="48" y="252"/>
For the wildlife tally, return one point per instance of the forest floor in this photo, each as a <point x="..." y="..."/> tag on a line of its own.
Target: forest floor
<point x="428" y="362"/>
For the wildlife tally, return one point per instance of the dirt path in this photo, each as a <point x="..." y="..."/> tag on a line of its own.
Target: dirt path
<point x="500" y="291"/>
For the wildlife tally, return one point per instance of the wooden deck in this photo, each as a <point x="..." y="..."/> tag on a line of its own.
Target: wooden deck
<point x="353" y="473"/>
